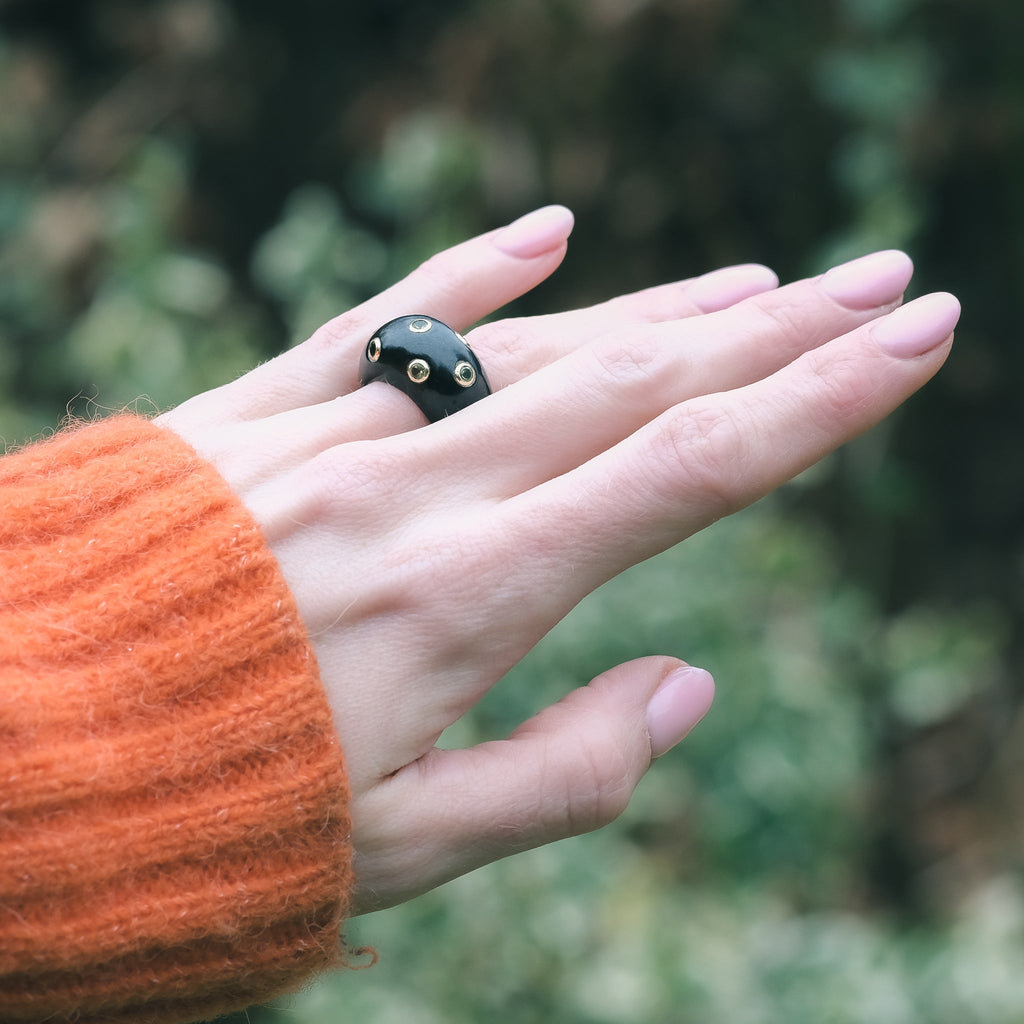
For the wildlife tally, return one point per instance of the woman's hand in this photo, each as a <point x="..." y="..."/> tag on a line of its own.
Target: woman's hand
<point x="426" y="562"/>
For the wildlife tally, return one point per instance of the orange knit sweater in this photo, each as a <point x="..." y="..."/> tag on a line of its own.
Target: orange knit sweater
<point x="174" y="832"/>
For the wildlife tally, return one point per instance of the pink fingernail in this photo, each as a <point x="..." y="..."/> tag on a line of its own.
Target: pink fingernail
<point x="680" y="702"/>
<point x="870" y="281"/>
<point x="919" y="326"/>
<point x="535" y="233"/>
<point x="724" y="288"/>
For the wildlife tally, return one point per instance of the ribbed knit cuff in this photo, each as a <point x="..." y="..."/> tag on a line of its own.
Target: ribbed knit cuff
<point x="174" y="831"/>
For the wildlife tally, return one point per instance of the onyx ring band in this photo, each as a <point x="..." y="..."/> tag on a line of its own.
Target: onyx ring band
<point x="426" y="360"/>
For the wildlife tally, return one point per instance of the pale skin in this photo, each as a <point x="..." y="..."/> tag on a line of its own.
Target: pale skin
<point x="427" y="560"/>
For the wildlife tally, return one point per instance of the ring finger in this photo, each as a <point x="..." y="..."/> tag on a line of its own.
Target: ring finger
<point x="509" y="349"/>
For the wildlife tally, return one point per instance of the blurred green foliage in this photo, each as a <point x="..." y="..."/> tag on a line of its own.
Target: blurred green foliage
<point x="186" y="186"/>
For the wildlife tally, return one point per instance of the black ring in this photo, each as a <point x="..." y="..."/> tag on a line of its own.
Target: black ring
<point x="426" y="360"/>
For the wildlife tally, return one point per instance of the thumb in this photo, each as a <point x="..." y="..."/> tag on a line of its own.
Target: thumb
<point x="569" y="770"/>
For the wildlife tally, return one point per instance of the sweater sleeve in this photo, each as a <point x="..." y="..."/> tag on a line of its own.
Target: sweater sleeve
<point x="174" y="830"/>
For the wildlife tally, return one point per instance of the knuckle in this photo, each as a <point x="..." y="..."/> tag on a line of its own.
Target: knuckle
<point x="506" y="348"/>
<point x="784" y="317"/>
<point x="703" y="450"/>
<point x="633" y="364"/>
<point x="606" y="795"/>
<point x="339" y="332"/>
<point x="650" y="305"/>
<point x="354" y="481"/>
<point x="839" y="388"/>
<point x="774" y="320"/>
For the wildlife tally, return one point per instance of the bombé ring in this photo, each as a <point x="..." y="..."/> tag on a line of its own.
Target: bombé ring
<point x="426" y="360"/>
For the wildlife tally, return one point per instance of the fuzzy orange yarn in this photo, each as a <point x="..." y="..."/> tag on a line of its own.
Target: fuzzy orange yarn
<point x="174" y="831"/>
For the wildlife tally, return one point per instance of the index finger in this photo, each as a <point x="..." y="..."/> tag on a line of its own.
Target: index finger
<point x="715" y="454"/>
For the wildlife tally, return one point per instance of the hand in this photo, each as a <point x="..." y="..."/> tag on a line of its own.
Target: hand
<point x="426" y="562"/>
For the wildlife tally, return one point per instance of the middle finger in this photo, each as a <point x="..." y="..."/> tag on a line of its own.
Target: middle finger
<point x="514" y="348"/>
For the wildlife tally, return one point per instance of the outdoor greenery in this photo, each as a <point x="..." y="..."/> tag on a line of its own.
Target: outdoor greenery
<point x="186" y="186"/>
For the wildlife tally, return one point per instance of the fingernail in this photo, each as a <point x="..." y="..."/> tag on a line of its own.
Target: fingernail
<point x="680" y="702"/>
<point x="919" y="326"/>
<point x="870" y="281"/>
<point x="724" y="288"/>
<point x="535" y="233"/>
